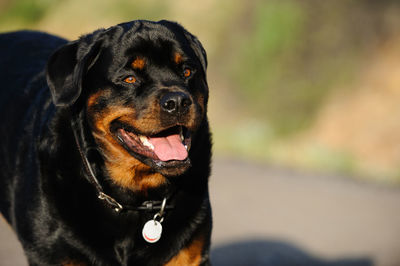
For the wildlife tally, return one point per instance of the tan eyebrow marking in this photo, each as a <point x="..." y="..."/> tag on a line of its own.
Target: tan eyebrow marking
<point x="178" y="58"/>
<point x="138" y="63"/>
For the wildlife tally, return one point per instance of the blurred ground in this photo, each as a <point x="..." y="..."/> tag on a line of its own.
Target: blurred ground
<point x="274" y="217"/>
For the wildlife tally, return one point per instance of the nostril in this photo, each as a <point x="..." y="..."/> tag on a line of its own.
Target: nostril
<point x="169" y="105"/>
<point x="186" y="102"/>
<point x="169" y="102"/>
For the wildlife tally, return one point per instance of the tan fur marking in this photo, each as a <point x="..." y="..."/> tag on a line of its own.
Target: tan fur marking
<point x="123" y="168"/>
<point x="94" y="97"/>
<point x="190" y="255"/>
<point x="178" y="58"/>
<point x="138" y="63"/>
<point x="148" y="122"/>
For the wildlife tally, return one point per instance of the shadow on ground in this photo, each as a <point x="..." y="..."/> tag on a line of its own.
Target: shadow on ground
<point x="273" y="253"/>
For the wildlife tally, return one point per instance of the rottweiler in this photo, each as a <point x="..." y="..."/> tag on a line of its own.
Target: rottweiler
<point x="105" y="148"/>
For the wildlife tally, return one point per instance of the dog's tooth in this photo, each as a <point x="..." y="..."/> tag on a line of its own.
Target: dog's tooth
<point x="145" y="141"/>
<point x="187" y="146"/>
<point x="181" y="134"/>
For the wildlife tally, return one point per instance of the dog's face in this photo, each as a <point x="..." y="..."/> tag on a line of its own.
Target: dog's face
<point x="143" y="87"/>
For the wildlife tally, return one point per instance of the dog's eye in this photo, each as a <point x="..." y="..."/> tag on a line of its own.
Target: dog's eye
<point x="187" y="72"/>
<point x="130" y="79"/>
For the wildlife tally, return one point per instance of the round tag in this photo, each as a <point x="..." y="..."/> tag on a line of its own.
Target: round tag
<point x="152" y="231"/>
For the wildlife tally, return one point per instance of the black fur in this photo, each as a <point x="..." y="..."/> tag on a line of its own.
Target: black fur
<point x="44" y="190"/>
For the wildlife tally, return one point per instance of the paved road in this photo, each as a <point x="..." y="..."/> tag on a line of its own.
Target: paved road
<point x="276" y="217"/>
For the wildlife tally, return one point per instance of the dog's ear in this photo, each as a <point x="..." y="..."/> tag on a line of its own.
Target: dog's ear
<point x="66" y="68"/>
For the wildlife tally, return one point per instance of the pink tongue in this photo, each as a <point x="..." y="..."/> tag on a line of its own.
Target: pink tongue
<point x="169" y="148"/>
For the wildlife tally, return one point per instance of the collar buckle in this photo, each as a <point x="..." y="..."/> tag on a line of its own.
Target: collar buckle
<point x="110" y="201"/>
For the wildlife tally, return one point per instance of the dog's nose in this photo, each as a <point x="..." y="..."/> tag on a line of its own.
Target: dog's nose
<point x="175" y="102"/>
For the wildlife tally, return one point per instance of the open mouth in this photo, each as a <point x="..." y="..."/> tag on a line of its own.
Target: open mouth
<point x="168" y="146"/>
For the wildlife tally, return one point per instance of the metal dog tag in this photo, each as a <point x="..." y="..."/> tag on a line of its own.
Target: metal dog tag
<point x="152" y="231"/>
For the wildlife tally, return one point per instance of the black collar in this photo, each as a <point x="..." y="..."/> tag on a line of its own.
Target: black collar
<point x="108" y="200"/>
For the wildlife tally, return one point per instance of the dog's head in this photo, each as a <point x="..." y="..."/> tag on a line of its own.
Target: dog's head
<point x="142" y="86"/>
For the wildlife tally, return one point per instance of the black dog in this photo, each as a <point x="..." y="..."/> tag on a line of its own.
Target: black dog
<point x="101" y="136"/>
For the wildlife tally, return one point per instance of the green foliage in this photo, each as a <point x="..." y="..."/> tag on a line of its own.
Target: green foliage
<point x="276" y="28"/>
<point x="25" y="12"/>
<point x="286" y="68"/>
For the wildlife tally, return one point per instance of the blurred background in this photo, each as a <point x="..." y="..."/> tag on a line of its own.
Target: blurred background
<point x="305" y="113"/>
